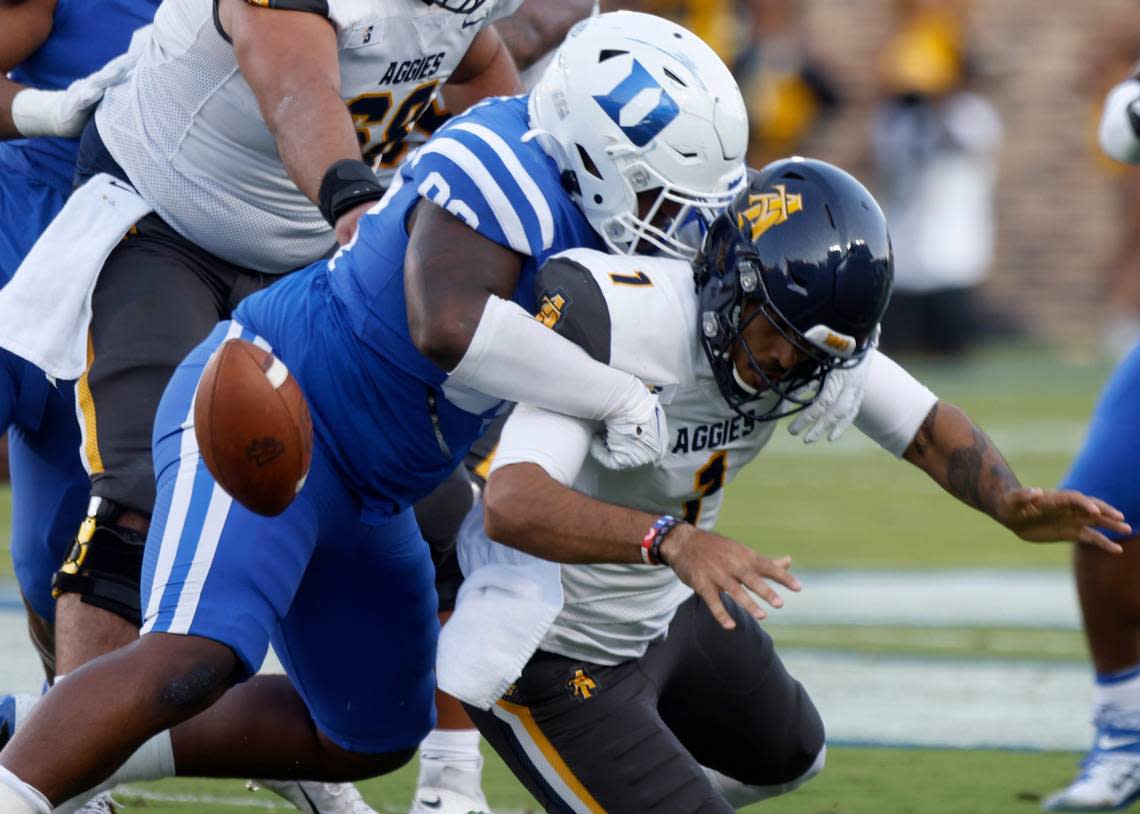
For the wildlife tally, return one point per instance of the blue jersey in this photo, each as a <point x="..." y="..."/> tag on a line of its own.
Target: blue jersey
<point x="384" y="412"/>
<point x="85" y="35"/>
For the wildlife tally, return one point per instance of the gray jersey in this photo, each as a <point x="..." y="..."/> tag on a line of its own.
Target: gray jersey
<point x="187" y="130"/>
<point x="640" y="315"/>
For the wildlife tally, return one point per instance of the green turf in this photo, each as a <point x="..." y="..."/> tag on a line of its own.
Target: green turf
<point x="864" y="509"/>
<point x="5" y="524"/>
<point x="973" y="643"/>
<point x="856" y="781"/>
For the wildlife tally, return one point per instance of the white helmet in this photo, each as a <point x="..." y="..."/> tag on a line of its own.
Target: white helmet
<point x="633" y="103"/>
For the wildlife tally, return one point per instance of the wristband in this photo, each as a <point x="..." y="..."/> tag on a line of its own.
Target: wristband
<point x="347" y="183"/>
<point x="651" y="542"/>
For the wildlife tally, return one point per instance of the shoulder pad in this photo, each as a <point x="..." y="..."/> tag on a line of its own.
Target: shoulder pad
<point x="571" y="303"/>
<point x="635" y="313"/>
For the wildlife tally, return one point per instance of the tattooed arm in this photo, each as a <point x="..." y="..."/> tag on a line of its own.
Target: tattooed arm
<point x="962" y="460"/>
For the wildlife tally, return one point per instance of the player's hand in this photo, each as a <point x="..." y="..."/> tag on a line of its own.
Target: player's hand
<point x="1051" y="515"/>
<point x="65" y="112"/>
<point x="346" y="223"/>
<point x="711" y="565"/>
<point x="636" y="437"/>
<point x="834" y="411"/>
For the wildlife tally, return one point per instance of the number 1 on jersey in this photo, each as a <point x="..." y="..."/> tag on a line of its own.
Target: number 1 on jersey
<point x="708" y="481"/>
<point x="637" y="278"/>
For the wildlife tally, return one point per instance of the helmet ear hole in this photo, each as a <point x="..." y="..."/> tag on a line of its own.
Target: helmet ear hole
<point x="588" y="163"/>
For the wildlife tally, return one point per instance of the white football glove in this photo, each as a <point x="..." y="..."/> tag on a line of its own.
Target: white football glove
<point x="65" y="112"/>
<point x="834" y="411"/>
<point x="634" y="438"/>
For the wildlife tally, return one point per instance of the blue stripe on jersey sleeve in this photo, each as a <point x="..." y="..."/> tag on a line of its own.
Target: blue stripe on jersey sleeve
<point x="493" y="180"/>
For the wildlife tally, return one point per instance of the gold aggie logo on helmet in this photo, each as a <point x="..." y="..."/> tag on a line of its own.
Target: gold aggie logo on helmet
<point x="770" y="209"/>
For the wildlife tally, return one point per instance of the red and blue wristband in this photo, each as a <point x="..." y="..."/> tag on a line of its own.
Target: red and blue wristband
<point x="651" y="542"/>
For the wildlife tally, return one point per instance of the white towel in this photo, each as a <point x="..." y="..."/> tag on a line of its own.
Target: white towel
<point x="506" y="604"/>
<point x="45" y="309"/>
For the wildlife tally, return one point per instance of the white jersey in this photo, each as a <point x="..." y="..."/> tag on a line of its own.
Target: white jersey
<point x="187" y="130"/>
<point x="613" y="612"/>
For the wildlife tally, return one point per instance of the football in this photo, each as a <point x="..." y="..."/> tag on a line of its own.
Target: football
<point x="253" y="427"/>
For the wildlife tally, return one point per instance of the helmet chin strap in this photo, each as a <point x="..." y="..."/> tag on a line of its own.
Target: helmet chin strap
<point x="747" y="388"/>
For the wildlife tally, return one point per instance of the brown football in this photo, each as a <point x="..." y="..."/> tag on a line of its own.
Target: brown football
<point x="253" y="427"/>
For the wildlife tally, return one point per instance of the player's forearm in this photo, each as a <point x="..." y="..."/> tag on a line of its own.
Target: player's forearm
<point x="957" y="455"/>
<point x="539" y="26"/>
<point x="313" y="130"/>
<point x="527" y="509"/>
<point x="8" y="91"/>
<point x="291" y="61"/>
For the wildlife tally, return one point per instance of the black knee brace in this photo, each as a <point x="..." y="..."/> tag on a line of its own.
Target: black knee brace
<point x="104" y="565"/>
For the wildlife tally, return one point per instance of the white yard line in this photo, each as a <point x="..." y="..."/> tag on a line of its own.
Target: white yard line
<point x="934" y="702"/>
<point x="1044" y="599"/>
<point x="876" y="699"/>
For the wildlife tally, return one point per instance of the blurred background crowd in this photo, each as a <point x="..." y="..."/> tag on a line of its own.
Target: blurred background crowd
<point x="974" y="122"/>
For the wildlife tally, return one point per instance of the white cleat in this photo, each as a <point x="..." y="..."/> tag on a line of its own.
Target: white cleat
<point x="449" y="790"/>
<point x="318" y="798"/>
<point x="1109" y="778"/>
<point x="100" y="804"/>
<point x="14" y="710"/>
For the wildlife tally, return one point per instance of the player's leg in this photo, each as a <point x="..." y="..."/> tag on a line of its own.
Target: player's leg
<point x="449" y="755"/>
<point x="26" y="208"/>
<point x="89" y="724"/>
<point x="49" y="497"/>
<point x="359" y="641"/>
<point x="152" y="304"/>
<point x="1109" y="590"/>
<point x="587" y="738"/>
<point x="728" y="697"/>
<point x="218" y="579"/>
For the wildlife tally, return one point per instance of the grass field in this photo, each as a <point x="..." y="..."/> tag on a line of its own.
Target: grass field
<point x="856" y="781"/>
<point x="851" y="506"/>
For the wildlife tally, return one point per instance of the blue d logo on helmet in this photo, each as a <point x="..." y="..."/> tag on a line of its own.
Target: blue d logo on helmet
<point x="639" y="106"/>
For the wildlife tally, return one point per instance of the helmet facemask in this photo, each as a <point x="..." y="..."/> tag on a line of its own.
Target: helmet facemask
<point x="674" y="223"/>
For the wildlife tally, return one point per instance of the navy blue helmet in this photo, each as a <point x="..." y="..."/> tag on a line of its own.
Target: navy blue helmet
<point x="809" y="245"/>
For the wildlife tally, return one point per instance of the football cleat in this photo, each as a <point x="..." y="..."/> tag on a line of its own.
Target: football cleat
<point x="449" y="789"/>
<point x="100" y="804"/>
<point x="317" y="798"/>
<point x="435" y="800"/>
<point x="1109" y="778"/>
<point x="13" y="710"/>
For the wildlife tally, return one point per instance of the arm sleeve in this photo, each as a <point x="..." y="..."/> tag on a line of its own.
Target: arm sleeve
<point x="1118" y="123"/>
<point x="557" y="443"/>
<point x="894" y="405"/>
<point x="514" y="358"/>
